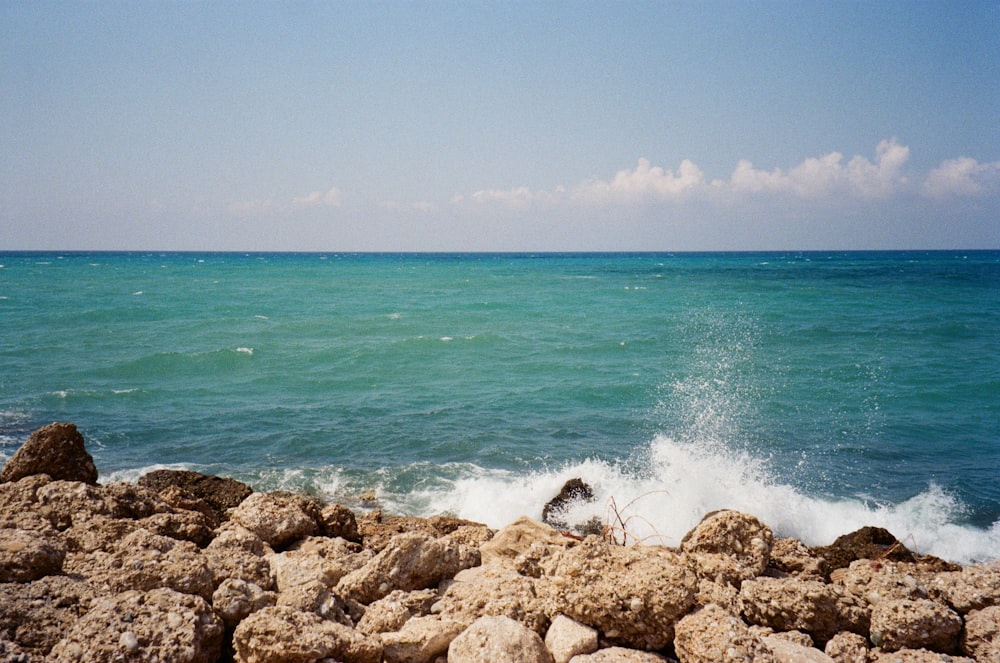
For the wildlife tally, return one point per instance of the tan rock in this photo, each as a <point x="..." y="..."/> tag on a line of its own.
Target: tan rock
<point x="420" y="640"/>
<point x="795" y="558"/>
<point x="981" y="637"/>
<point x="35" y="615"/>
<point x="377" y="529"/>
<point x="847" y="647"/>
<point x="316" y="597"/>
<point x="159" y="625"/>
<point x="317" y="558"/>
<point x="713" y="635"/>
<point x="66" y="502"/>
<point x="498" y="639"/>
<point x="972" y="588"/>
<point x="279" y="519"/>
<point x="729" y="547"/>
<point x="516" y="538"/>
<point x="337" y="521"/>
<point x="917" y="656"/>
<point x="875" y="582"/>
<point x="619" y="655"/>
<point x="284" y="635"/>
<point x="99" y="532"/>
<point x="27" y="555"/>
<point x="787" y="650"/>
<point x="567" y="638"/>
<point x="393" y="610"/>
<point x="235" y="599"/>
<point x="181" y="525"/>
<point x="632" y="595"/>
<point x="788" y="604"/>
<point x="723" y="595"/>
<point x="410" y="561"/>
<point x="236" y="552"/>
<point x="57" y="450"/>
<point x="493" y="590"/>
<point x="914" y="624"/>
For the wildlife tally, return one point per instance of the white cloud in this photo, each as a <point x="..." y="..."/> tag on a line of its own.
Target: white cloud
<point x="644" y="182"/>
<point x="331" y="198"/>
<point x="963" y="176"/>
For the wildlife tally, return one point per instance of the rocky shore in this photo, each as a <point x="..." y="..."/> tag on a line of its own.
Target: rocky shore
<point x="187" y="567"/>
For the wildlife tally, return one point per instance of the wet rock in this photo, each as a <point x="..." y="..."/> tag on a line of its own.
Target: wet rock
<point x="159" y="625"/>
<point x="337" y="521"/>
<point x="713" y="635"/>
<point x="573" y="491"/>
<point x="220" y="493"/>
<point x="420" y="640"/>
<point x="284" y="635"/>
<point x="493" y="590"/>
<point x="874" y="543"/>
<point x="35" y="615"/>
<point x="846" y="647"/>
<point x="57" y="450"/>
<point x="27" y="556"/>
<point x="789" y="604"/>
<point x="914" y="624"/>
<point x="981" y="637"/>
<point x="633" y="595"/>
<point x="234" y="600"/>
<point x="729" y="547"/>
<point x="279" y="519"/>
<point x="493" y="639"/>
<point x="411" y="561"/>
<point x="567" y="637"/>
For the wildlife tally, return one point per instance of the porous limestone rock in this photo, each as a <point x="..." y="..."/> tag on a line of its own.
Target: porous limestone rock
<point x="788" y="604"/>
<point x="159" y="625"/>
<point x="619" y="655"/>
<point x="567" y="637"/>
<point x="27" y="555"/>
<point x="420" y="640"/>
<point x="285" y="635"/>
<point x="278" y="519"/>
<point x="337" y="521"/>
<point x="873" y="543"/>
<point x="498" y="639"/>
<point x="795" y="558"/>
<point x="64" y="503"/>
<point x="493" y="589"/>
<point x="35" y="615"/>
<point x="632" y="595"/>
<point x="788" y="650"/>
<point x="847" y="647"/>
<point x="972" y="588"/>
<point x="724" y="595"/>
<point x="219" y="493"/>
<point x="714" y="635"/>
<point x="878" y="581"/>
<point x="57" y="450"/>
<point x="517" y="537"/>
<point x="918" y="656"/>
<point x="390" y="612"/>
<point x="315" y="597"/>
<point x="99" y="532"/>
<point x="729" y="547"/>
<point x="181" y="525"/>
<point x="235" y="599"/>
<point x="317" y="558"/>
<point x="145" y="561"/>
<point x="981" y="637"/>
<point x="410" y="561"/>
<point x="377" y="529"/>
<point x="914" y="624"/>
<point x="236" y="552"/>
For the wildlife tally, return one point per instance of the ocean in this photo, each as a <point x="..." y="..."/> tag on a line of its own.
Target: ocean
<point x="819" y="391"/>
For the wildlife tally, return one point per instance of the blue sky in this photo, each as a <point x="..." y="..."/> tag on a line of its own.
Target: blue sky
<point x="499" y="125"/>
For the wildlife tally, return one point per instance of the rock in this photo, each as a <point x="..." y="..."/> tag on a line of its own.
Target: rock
<point x="516" y="538"/>
<point x="27" y="556"/>
<point x="279" y="519"/>
<point x="723" y="595"/>
<point x="236" y="599"/>
<point x="713" y="635"/>
<point x="411" y="561"/>
<point x="795" y="558"/>
<point x="874" y="543"/>
<point x="632" y="595"/>
<point x="35" y="615"/>
<point x="846" y="647"/>
<point x="914" y="624"/>
<point x="317" y="558"/>
<point x="145" y="561"/>
<point x="183" y="526"/>
<point x="56" y="450"/>
<point x="220" y="493"/>
<point x="554" y="511"/>
<point x="131" y="501"/>
<point x="99" y="532"/>
<point x="237" y="552"/>
<point x="875" y="582"/>
<point x="729" y="547"/>
<point x="315" y="597"/>
<point x="377" y="529"/>
<point x="64" y="503"/>
<point x="981" y="637"/>
<point x="567" y="637"/>
<point x="619" y="655"/>
<point x="159" y="625"/>
<point x="972" y="588"/>
<point x="337" y="521"/>
<point x="918" y="656"/>
<point x="789" y="604"/>
<point x="493" y="639"/>
<point x="393" y="610"/>
<point x="179" y="499"/>
<point x="284" y="635"/>
<point x="420" y="640"/>
<point x="785" y="650"/>
<point x="493" y="590"/>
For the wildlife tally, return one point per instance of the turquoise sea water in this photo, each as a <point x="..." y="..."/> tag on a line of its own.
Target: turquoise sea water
<point x="820" y="391"/>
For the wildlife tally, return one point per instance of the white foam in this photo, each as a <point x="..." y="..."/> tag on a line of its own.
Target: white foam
<point x="246" y="351"/>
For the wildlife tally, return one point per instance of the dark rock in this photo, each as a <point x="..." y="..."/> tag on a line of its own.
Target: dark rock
<point x="337" y="520"/>
<point x="377" y="529"/>
<point x="35" y="615"/>
<point x="56" y="450"/>
<point x="574" y="490"/>
<point x="220" y="493"/>
<point x="873" y="543"/>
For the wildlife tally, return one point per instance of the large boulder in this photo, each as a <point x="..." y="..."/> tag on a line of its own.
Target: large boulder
<point x="279" y="519"/>
<point x="390" y="612"/>
<point x="493" y="639"/>
<point x="493" y="589"/>
<point x="789" y="604"/>
<point x="27" y="555"/>
<point x="729" y="547"/>
<point x="234" y="600"/>
<point x="159" y="625"/>
<point x="972" y="588"/>
<point x="378" y="529"/>
<point x="236" y="552"/>
<point x="317" y="558"/>
<point x="220" y="493"/>
<point x="515" y="539"/>
<point x="619" y="655"/>
<point x="56" y="450"/>
<point x="282" y="634"/>
<point x="567" y="637"/>
<point x="419" y="640"/>
<point x="915" y="624"/>
<point x="876" y="582"/>
<point x="847" y="647"/>
<point x="35" y="615"/>
<point x="714" y="635"/>
<point x="632" y="595"/>
<point x="981" y="637"/>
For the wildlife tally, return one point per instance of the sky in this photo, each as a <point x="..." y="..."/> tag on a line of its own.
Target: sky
<point x="499" y="126"/>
